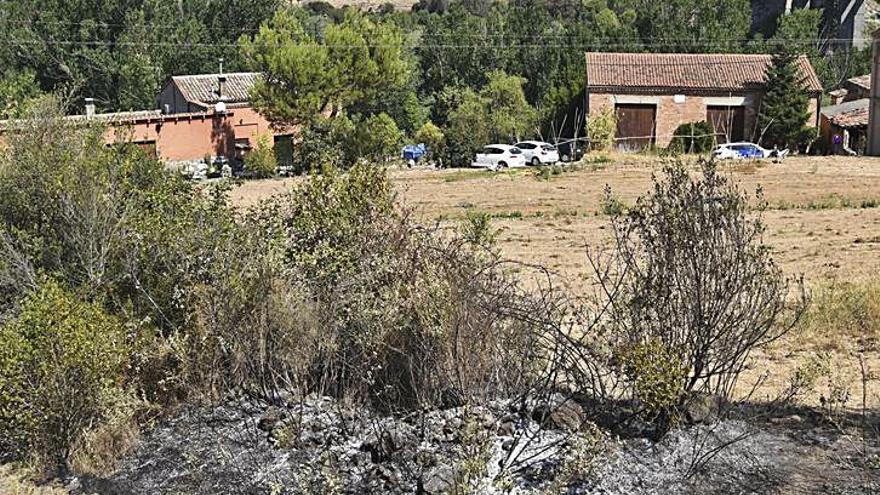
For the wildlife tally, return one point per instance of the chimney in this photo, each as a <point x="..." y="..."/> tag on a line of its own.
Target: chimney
<point x="221" y="84"/>
<point x="221" y="81"/>
<point x="90" y="107"/>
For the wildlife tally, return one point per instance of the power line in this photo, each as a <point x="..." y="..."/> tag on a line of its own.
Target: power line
<point x="593" y="45"/>
<point x="153" y="25"/>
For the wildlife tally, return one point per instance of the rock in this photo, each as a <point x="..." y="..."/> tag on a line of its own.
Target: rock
<point x="507" y="445"/>
<point x="440" y="479"/>
<point x="701" y="408"/>
<point x="380" y="447"/>
<point x="269" y="419"/>
<point x="560" y="414"/>
<point x="507" y="428"/>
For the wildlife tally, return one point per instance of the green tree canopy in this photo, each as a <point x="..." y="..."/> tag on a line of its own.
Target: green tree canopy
<point x="784" y="110"/>
<point x="17" y="90"/>
<point x="498" y="113"/>
<point x="307" y="74"/>
<point x="378" y="138"/>
<point x="691" y="25"/>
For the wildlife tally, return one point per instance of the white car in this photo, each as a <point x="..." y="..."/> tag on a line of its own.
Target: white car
<point x="498" y="156"/>
<point x="538" y="153"/>
<point x="746" y="151"/>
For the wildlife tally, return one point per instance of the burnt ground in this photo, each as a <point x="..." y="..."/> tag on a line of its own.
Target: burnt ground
<point x="319" y="446"/>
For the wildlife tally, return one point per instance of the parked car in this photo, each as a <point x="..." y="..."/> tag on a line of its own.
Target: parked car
<point x="498" y="156"/>
<point x="570" y="151"/>
<point x="746" y="151"/>
<point x="538" y="152"/>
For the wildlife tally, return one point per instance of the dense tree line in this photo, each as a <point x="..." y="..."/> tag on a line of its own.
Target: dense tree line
<point x="414" y="66"/>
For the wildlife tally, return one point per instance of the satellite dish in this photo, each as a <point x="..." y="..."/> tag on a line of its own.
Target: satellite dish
<point x="220" y="107"/>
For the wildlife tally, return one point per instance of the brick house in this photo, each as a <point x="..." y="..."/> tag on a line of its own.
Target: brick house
<point x="201" y="92"/>
<point x="652" y="94"/>
<point x="190" y="125"/>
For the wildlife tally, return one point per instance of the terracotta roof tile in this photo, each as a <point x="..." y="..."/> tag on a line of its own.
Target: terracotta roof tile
<point x="685" y="71"/>
<point x="849" y="114"/>
<point x="202" y="88"/>
<point x="861" y="81"/>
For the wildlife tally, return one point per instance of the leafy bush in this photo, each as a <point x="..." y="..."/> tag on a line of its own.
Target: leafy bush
<point x="601" y="129"/>
<point x="326" y="141"/>
<point x="433" y="137"/>
<point x="378" y="138"/>
<point x="260" y="162"/>
<point x="477" y="228"/>
<point x="693" y="137"/>
<point x="112" y="223"/>
<point x="62" y="365"/>
<point x="402" y="313"/>
<point x="656" y="374"/>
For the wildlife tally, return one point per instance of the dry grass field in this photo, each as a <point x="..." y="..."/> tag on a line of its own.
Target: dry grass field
<point x="823" y="218"/>
<point x="823" y="221"/>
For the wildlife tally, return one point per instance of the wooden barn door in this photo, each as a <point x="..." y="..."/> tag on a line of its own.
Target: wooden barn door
<point x="635" y="126"/>
<point x="729" y="123"/>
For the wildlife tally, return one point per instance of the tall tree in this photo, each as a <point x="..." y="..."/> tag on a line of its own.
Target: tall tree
<point x="498" y="113"/>
<point x="305" y="74"/>
<point x="119" y="51"/>
<point x="782" y="120"/>
<point x="691" y="25"/>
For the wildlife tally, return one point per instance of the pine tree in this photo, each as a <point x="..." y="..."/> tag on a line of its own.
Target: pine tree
<point x="784" y="113"/>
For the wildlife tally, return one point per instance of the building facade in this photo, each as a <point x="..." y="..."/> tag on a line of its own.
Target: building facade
<point x="653" y="94"/>
<point x="198" y="117"/>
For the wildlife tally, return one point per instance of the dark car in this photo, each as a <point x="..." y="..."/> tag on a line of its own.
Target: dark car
<point x="571" y="150"/>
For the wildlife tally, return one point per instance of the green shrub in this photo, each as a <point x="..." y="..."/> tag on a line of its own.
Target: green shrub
<point x="693" y="248"/>
<point x="601" y="129"/>
<point x="378" y="138"/>
<point x="62" y="365"/>
<point x="611" y="204"/>
<point x="326" y="141"/>
<point x="260" y="162"/>
<point x="477" y="228"/>
<point x="692" y="137"/>
<point x="657" y="374"/>
<point x="433" y="137"/>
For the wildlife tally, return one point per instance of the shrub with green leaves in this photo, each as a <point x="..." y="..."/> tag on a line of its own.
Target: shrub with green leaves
<point x="692" y="137"/>
<point x="657" y="376"/>
<point x="433" y="137"/>
<point x="601" y="129"/>
<point x="401" y="312"/>
<point x="696" y="282"/>
<point x="62" y="367"/>
<point x="378" y="138"/>
<point x="261" y="162"/>
<point x="326" y="141"/>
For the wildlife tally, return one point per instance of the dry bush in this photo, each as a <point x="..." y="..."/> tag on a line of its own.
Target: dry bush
<point x="406" y="315"/>
<point x="689" y="277"/>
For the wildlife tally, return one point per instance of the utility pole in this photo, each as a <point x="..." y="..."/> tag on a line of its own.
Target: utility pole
<point x="874" y="102"/>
